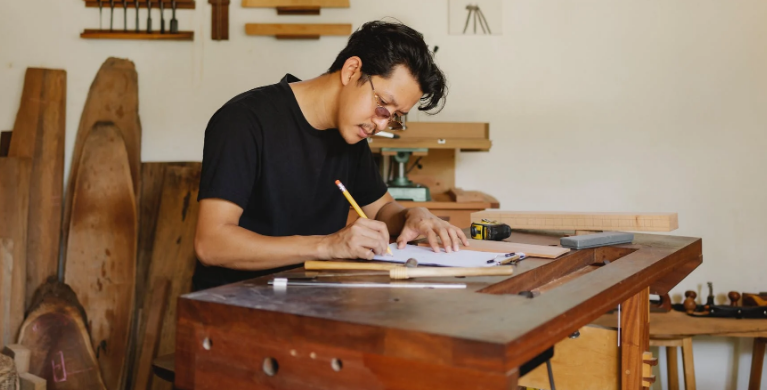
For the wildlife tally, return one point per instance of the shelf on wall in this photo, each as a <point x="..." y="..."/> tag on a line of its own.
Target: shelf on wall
<point x="121" y="34"/>
<point x="180" y="4"/>
<point x="296" y="7"/>
<point x="298" y="31"/>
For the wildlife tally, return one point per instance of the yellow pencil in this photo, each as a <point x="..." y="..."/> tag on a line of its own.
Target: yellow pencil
<point x="356" y="206"/>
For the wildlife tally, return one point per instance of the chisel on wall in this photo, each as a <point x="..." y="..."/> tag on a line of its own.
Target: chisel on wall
<point x="111" y="14"/>
<point x="162" y="17"/>
<point x="136" y="1"/>
<point x="149" y="16"/>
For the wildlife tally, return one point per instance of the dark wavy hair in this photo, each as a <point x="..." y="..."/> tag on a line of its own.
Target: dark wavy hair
<point x="382" y="46"/>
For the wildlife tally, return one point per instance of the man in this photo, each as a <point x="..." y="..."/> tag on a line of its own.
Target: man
<point x="268" y="197"/>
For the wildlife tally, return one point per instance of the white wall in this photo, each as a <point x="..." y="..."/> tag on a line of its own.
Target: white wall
<point x="595" y="105"/>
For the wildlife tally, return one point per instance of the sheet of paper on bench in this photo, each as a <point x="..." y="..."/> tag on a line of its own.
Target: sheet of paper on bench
<point x="426" y="256"/>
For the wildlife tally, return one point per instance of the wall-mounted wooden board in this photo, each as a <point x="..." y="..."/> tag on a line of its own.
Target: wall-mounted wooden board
<point x="298" y="31"/>
<point x="295" y="3"/>
<point x="120" y="34"/>
<point x="180" y="4"/>
<point x="14" y="202"/>
<point x="555" y="220"/>
<point x="101" y="253"/>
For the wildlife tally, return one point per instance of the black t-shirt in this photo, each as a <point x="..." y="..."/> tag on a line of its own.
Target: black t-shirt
<point x="261" y="154"/>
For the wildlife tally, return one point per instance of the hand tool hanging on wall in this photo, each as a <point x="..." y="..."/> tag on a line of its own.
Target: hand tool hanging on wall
<point x="136" y="2"/>
<point x="173" y="21"/>
<point x="162" y="16"/>
<point x="710" y="298"/>
<point x="111" y="14"/>
<point x="101" y="6"/>
<point x="125" y="15"/>
<point x="149" y="16"/>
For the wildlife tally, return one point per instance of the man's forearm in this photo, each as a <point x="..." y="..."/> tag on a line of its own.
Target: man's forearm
<point x="393" y="215"/>
<point x="232" y="246"/>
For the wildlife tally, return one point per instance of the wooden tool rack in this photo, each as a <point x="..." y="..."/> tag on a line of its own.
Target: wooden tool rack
<point x="131" y="33"/>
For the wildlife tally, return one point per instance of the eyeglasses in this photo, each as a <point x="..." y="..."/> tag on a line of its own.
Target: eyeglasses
<point x="384" y="113"/>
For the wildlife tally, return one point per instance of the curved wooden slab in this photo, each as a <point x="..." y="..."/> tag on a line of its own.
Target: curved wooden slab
<point x="101" y="256"/>
<point x="38" y="134"/>
<point x="113" y="97"/>
<point x="60" y="349"/>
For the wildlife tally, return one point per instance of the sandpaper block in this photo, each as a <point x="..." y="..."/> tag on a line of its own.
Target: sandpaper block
<point x="596" y="239"/>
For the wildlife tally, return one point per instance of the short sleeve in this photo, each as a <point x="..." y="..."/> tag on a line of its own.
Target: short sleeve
<point x="368" y="186"/>
<point x="230" y="155"/>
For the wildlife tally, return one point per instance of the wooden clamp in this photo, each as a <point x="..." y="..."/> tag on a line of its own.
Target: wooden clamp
<point x="648" y="361"/>
<point x="219" y="20"/>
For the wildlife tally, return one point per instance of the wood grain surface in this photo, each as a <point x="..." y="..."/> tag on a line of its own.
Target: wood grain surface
<point x="101" y="255"/>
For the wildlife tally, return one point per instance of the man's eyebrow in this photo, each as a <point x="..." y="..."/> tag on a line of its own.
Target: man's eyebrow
<point x="393" y="102"/>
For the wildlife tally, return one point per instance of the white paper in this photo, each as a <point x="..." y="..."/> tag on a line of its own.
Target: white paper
<point x="426" y="256"/>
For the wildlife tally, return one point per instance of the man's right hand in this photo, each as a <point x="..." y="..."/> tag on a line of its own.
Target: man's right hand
<point x="361" y="240"/>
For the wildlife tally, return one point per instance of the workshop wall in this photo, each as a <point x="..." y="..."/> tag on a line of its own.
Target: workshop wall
<point x="593" y="105"/>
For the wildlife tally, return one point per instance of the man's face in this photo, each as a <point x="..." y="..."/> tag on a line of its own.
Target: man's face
<point x="357" y="117"/>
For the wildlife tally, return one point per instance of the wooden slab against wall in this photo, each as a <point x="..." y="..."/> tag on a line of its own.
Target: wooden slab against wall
<point x="153" y="176"/>
<point x="56" y="334"/>
<point x="38" y="133"/>
<point x="113" y="97"/>
<point x="101" y="255"/>
<point x="14" y="202"/>
<point x="172" y="251"/>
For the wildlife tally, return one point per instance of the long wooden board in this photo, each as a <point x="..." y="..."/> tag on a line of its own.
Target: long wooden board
<point x="100" y="264"/>
<point x="38" y="133"/>
<point x="172" y="252"/>
<point x="14" y="202"/>
<point x="152" y="181"/>
<point x="297" y="29"/>
<point x="56" y="334"/>
<point x="295" y="3"/>
<point x="113" y="97"/>
<point x="554" y="220"/>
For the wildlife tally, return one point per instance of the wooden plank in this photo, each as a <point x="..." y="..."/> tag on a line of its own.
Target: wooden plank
<point x="180" y="4"/>
<point x="464" y="144"/>
<point x="113" y="97"/>
<point x="675" y="323"/>
<point x="57" y="337"/>
<point x="297" y="29"/>
<point x="461" y="196"/>
<point x="38" y="133"/>
<point x="157" y="304"/>
<point x="555" y="220"/>
<point x="634" y="339"/>
<point x="14" y="206"/>
<point x="587" y="362"/>
<point x="451" y="130"/>
<point x="295" y="3"/>
<point x="172" y="252"/>
<point x="120" y="34"/>
<point x="5" y="142"/>
<point x="100" y="265"/>
<point x="547" y="252"/>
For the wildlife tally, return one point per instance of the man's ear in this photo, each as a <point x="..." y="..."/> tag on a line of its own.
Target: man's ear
<point x="351" y="71"/>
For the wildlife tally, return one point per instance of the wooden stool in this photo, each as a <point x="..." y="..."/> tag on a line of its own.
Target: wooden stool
<point x="671" y="342"/>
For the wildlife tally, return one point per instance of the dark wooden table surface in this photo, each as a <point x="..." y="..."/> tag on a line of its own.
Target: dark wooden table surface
<point x="235" y="336"/>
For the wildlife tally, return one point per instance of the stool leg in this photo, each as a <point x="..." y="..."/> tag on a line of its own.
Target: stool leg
<point x="757" y="359"/>
<point x="687" y="364"/>
<point x="673" y="368"/>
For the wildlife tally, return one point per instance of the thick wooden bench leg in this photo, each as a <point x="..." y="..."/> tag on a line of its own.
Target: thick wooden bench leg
<point x="634" y="339"/>
<point x="687" y="364"/>
<point x="757" y="360"/>
<point x="673" y="368"/>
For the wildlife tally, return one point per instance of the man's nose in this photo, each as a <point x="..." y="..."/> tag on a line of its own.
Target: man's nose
<point x="381" y="124"/>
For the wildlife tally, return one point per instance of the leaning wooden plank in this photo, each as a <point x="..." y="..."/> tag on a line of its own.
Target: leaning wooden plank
<point x="548" y="252"/>
<point x="555" y="220"/>
<point x="151" y="340"/>
<point x="5" y="142"/>
<point x="173" y="256"/>
<point x="113" y="97"/>
<point x="101" y="255"/>
<point x="14" y="206"/>
<point x="56" y="334"/>
<point x="38" y="133"/>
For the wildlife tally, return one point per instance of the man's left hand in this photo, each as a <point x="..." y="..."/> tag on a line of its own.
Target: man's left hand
<point x="419" y="221"/>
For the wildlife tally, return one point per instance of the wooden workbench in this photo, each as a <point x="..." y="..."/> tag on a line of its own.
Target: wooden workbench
<point x="478" y="338"/>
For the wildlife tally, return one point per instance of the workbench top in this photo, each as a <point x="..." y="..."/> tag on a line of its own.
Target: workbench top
<point x="485" y="331"/>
